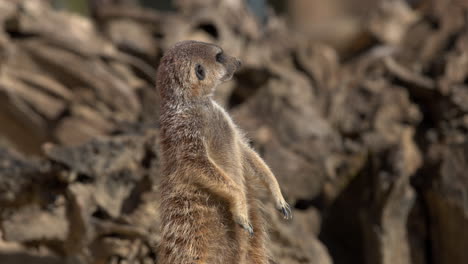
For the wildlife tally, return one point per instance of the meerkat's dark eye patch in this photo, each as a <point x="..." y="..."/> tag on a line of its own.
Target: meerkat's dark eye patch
<point x="200" y="72"/>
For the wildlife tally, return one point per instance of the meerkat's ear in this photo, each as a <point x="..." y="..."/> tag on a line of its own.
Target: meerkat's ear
<point x="200" y="72"/>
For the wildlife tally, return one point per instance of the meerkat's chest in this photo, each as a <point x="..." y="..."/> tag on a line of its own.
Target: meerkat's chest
<point x="219" y="126"/>
<point x="222" y="139"/>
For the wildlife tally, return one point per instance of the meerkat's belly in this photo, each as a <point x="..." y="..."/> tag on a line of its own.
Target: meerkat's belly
<point x="198" y="226"/>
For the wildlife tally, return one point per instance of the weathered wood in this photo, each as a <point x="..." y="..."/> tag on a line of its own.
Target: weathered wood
<point x="368" y="136"/>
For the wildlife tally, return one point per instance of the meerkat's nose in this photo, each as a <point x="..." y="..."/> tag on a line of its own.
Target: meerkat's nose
<point x="238" y="63"/>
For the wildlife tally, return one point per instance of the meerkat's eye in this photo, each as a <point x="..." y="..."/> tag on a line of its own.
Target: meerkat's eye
<point x="220" y="57"/>
<point x="200" y="72"/>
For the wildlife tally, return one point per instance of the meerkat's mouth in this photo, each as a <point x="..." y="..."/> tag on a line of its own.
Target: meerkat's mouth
<point x="231" y="67"/>
<point x="227" y="77"/>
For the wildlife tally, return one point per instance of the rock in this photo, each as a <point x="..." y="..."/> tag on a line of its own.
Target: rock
<point x="367" y="137"/>
<point x="31" y="223"/>
<point x="448" y="206"/>
<point x="113" y="165"/>
<point x="384" y="224"/>
<point x="289" y="245"/>
<point x="16" y="176"/>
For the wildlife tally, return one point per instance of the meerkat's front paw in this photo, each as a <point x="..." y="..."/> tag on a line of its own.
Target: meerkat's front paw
<point x="285" y="209"/>
<point x="245" y="224"/>
<point x="248" y="228"/>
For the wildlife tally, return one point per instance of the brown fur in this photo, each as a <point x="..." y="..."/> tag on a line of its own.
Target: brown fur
<point x="209" y="208"/>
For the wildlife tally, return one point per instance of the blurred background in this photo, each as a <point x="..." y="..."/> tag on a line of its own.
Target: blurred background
<point x="360" y="108"/>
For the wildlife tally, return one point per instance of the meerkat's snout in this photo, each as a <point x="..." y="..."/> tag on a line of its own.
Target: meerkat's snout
<point x="231" y="65"/>
<point x="238" y="63"/>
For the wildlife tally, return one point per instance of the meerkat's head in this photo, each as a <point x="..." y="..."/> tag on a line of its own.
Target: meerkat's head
<point x="193" y="69"/>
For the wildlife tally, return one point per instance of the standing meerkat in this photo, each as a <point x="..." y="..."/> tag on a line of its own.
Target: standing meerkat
<point x="209" y="207"/>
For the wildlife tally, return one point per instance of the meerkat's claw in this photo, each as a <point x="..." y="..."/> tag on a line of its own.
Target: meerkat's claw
<point x="286" y="211"/>
<point x="248" y="227"/>
<point x="250" y="230"/>
<point x="245" y="224"/>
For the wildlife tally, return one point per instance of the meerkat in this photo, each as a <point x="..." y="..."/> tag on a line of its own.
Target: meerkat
<point x="209" y="206"/>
